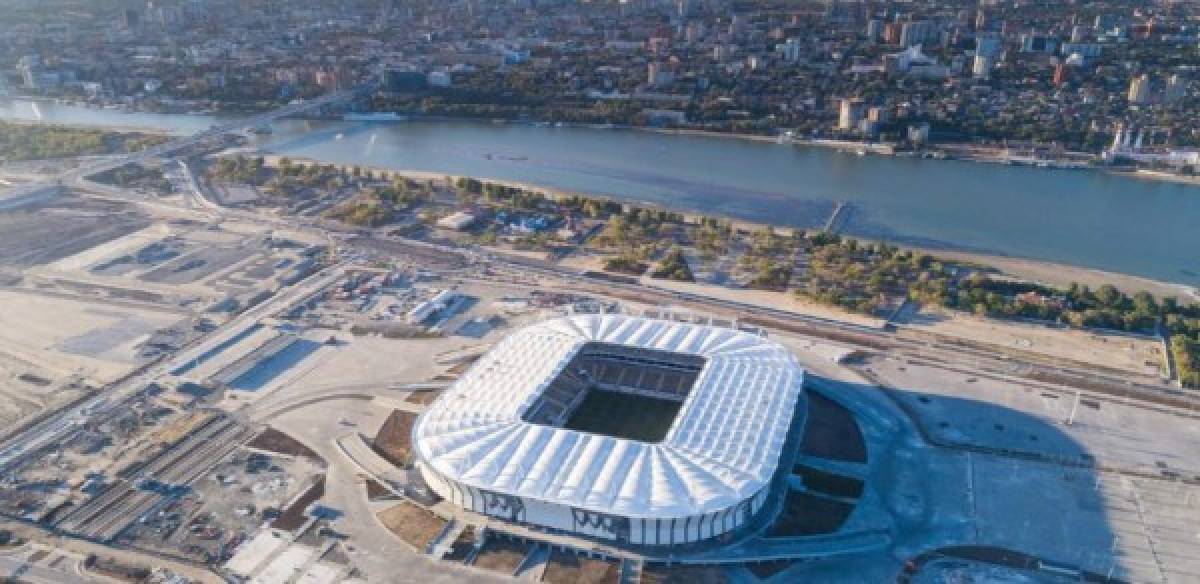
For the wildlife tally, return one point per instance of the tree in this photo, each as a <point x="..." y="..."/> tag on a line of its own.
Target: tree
<point x="674" y="266"/>
<point x="1143" y="303"/>
<point x="1108" y="295"/>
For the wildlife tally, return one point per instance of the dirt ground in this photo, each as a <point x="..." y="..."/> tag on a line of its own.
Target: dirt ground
<point x="500" y="555"/>
<point x="394" y="439"/>
<point x="572" y="569"/>
<point x="412" y="524"/>
<point x="273" y="440"/>
<point x="683" y="575"/>
<point x="1133" y="353"/>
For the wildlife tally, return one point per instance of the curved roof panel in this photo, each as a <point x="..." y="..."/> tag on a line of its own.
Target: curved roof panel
<point x="722" y="448"/>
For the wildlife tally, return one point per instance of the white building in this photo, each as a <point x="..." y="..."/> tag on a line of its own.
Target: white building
<point x="506" y="439"/>
<point x="457" y="221"/>
<point x="1139" y="89"/>
<point x="981" y="68"/>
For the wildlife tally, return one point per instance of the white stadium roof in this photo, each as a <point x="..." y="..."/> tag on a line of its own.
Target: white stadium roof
<point x="722" y="448"/>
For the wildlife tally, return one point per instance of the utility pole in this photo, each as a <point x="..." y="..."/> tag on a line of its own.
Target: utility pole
<point x="1074" y="409"/>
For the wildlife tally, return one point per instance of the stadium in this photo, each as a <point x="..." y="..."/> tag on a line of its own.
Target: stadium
<point x="636" y="431"/>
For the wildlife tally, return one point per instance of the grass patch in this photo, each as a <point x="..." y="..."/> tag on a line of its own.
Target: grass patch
<point x="623" y="415"/>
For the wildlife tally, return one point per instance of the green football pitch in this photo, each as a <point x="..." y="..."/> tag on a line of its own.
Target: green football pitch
<point x="623" y="415"/>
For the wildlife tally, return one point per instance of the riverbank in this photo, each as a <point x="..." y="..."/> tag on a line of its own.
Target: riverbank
<point x="1158" y="175"/>
<point x="1096" y="219"/>
<point x="1052" y="274"/>
<point x="1061" y="275"/>
<point x="114" y="128"/>
<point x="961" y="151"/>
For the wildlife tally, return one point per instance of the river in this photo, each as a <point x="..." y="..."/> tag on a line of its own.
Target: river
<point x="1086" y="218"/>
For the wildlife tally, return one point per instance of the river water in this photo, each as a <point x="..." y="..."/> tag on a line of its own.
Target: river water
<point x="1085" y="218"/>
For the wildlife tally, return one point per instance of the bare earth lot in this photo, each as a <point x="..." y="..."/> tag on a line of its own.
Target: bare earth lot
<point x="412" y="524"/>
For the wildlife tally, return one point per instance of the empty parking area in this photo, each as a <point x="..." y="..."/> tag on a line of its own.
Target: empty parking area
<point x="987" y="411"/>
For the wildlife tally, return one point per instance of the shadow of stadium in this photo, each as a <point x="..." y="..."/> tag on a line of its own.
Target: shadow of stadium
<point x="961" y="479"/>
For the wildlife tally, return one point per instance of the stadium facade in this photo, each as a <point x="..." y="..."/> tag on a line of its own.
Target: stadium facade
<point x="639" y="431"/>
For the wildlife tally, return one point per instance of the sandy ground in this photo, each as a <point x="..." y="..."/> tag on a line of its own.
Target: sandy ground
<point x="1147" y="174"/>
<point x="374" y="360"/>
<point x="768" y="299"/>
<point x="765" y="298"/>
<point x="1133" y="353"/>
<point x="70" y="336"/>
<point x="115" y="248"/>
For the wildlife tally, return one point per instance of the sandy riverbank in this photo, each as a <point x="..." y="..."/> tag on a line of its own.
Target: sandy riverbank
<point x="1061" y="275"/>
<point x="1158" y="175"/>
<point x="1049" y="273"/>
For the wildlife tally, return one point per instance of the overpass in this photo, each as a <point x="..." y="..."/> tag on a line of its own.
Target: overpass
<point x="34" y="191"/>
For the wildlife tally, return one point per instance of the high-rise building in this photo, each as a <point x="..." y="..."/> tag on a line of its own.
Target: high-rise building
<point x="130" y="18"/>
<point x="1037" y="43"/>
<point x="1176" y="89"/>
<point x="891" y="33"/>
<point x="1139" y="89"/>
<point x="988" y="44"/>
<point x="850" y="113"/>
<point x="917" y="32"/>
<point x="1060" y="74"/>
<point x="874" y="29"/>
<point x="722" y="52"/>
<point x="791" y="50"/>
<point x="658" y="76"/>
<point x="683" y="8"/>
<point x="919" y="133"/>
<point x="982" y="67"/>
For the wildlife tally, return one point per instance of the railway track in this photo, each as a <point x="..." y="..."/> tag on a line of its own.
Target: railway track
<point x="106" y="516"/>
